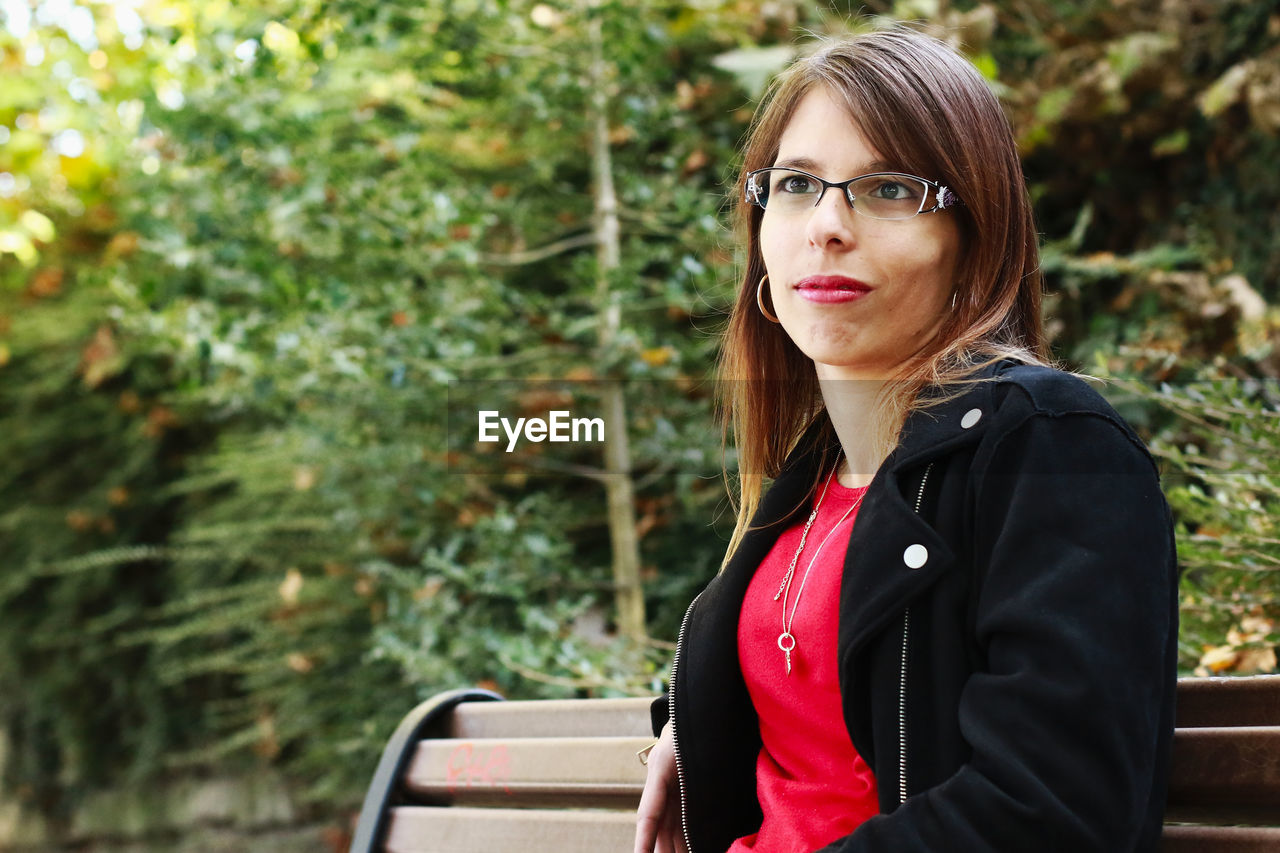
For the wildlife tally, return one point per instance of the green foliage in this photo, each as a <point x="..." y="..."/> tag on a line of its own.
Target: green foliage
<point x="328" y="229"/>
<point x="1222" y="481"/>
<point x="244" y="338"/>
<point x="1159" y="124"/>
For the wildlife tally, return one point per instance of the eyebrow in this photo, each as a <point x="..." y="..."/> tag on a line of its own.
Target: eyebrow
<point x="806" y="164"/>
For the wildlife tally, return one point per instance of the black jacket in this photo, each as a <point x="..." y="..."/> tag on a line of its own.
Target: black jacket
<point x="1013" y="693"/>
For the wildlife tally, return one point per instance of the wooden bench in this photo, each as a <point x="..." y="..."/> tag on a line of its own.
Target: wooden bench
<point x="466" y="772"/>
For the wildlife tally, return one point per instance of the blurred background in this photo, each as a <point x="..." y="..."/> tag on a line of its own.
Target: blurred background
<point x="256" y="256"/>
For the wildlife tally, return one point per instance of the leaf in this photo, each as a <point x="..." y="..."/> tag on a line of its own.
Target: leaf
<point x="1171" y="144"/>
<point x="657" y="356"/>
<point x="1225" y="91"/>
<point x="101" y="358"/>
<point x="291" y="587"/>
<point x="754" y="66"/>
<point x="1218" y="659"/>
<point x="39" y="226"/>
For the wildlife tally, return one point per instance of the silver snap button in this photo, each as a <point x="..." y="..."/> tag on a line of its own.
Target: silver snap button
<point x="970" y="418"/>
<point x="915" y="556"/>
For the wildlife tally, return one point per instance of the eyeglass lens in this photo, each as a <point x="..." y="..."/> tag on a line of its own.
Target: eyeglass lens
<point x="885" y="196"/>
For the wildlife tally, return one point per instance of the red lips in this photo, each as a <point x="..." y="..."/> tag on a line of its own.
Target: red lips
<point x="831" y="288"/>
<point x="831" y="282"/>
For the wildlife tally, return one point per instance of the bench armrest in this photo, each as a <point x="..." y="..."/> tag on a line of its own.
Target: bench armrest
<point x="396" y="755"/>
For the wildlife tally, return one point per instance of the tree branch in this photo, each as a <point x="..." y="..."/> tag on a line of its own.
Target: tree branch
<point x="532" y="256"/>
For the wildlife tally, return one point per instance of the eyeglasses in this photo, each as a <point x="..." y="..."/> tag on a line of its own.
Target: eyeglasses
<point x="879" y="195"/>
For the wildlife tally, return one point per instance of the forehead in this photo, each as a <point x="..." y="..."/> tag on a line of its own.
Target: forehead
<point x="821" y="137"/>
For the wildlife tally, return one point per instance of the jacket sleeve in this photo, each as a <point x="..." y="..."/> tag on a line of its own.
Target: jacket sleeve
<point x="659" y="713"/>
<point x="1070" y="717"/>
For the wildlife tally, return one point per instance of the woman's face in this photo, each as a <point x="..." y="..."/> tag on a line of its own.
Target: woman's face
<point x="855" y="294"/>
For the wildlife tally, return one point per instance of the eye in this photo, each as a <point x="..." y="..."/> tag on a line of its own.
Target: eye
<point x="794" y="183"/>
<point x="891" y="190"/>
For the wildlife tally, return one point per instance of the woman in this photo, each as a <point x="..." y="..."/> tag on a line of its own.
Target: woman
<point x="950" y="622"/>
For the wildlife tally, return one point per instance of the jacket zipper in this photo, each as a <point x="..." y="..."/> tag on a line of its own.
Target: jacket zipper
<point x="902" y="681"/>
<point x="902" y="698"/>
<point x="671" y="716"/>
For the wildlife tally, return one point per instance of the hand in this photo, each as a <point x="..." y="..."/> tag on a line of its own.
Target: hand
<point x="658" y="825"/>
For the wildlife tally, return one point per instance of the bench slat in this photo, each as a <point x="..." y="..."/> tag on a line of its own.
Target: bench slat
<point x="529" y="771"/>
<point x="1225" y="775"/>
<point x="1220" y="839"/>
<point x="525" y="776"/>
<point x="1251" y="700"/>
<point x="424" y="829"/>
<point x="552" y="718"/>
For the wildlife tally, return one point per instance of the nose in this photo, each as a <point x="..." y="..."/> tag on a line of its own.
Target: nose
<point x="832" y="222"/>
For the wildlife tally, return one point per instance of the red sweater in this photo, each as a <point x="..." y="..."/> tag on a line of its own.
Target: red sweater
<point x="812" y="784"/>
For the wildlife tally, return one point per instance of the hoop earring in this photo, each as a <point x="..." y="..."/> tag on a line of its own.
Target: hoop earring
<point x="760" y="301"/>
<point x="953" y="300"/>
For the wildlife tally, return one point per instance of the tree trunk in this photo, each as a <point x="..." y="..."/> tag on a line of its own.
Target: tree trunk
<point x="617" y="462"/>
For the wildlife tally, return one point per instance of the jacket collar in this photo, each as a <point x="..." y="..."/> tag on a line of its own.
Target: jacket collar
<point x="958" y="417"/>
<point x="948" y="420"/>
<point x="955" y="420"/>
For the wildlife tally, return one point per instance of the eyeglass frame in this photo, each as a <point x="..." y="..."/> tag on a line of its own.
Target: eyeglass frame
<point x="943" y="196"/>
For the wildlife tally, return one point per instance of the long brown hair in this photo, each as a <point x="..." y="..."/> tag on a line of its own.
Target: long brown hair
<point x="916" y="97"/>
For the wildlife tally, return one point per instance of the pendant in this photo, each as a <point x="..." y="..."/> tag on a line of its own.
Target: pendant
<point x="787" y="646"/>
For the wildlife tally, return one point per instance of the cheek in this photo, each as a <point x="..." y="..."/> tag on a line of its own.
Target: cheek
<point x="773" y="247"/>
<point x="924" y="274"/>
<point x="931" y="264"/>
